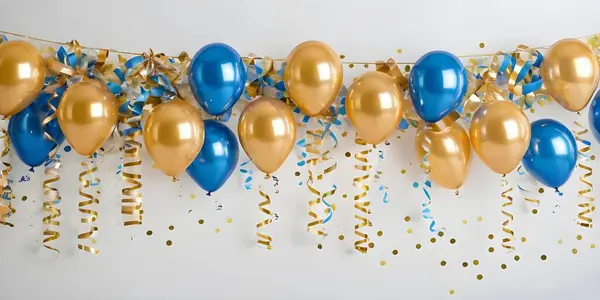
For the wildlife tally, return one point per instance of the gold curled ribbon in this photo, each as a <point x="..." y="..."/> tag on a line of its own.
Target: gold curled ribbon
<point x="586" y="205"/>
<point x="131" y="202"/>
<point x="264" y="239"/>
<point x="6" y="191"/>
<point x="254" y="86"/>
<point x="527" y="194"/>
<point x="91" y="216"/>
<point x="50" y="191"/>
<point x="360" y="204"/>
<point x="510" y="234"/>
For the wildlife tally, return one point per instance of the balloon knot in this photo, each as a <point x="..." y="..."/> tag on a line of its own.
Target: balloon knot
<point x="504" y="176"/>
<point x="208" y="194"/>
<point x="558" y="192"/>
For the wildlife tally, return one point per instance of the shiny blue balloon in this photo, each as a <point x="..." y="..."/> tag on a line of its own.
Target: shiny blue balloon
<point x="217" y="76"/>
<point x="594" y="117"/>
<point x="27" y="134"/>
<point x="437" y="84"/>
<point x="217" y="159"/>
<point x="552" y="153"/>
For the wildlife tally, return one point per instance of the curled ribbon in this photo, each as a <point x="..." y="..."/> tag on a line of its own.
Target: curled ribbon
<point x="264" y="239"/>
<point x="510" y="234"/>
<point x="361" y="204"/>
<point x="586" y="205"/>
<point x="6" y="210"/>
<point x="426" y="185"/>
<point x="131" y="203"/>
<point x="91" y="216"/>
<point x="527" y="193"/>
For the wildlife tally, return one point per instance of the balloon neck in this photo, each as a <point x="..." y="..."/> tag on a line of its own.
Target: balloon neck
<point x="208" y="194"/>
<point x="174" y="179"/>
<point x="267" y="176"/>
<point x="503" y="175"/>
<point x="456" y="193"/>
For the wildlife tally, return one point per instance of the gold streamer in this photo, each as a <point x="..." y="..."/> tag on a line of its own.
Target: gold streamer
<point x="525" y="191"/>
<point x="50" y="191"/>
<point x="131" y="203"/>
<point x="263" y="206"/>
<point x="509" y="216"/>
<point x="586" y="205"/>
<point x="88" y="199"/>
<point x="362" y="164"/>
<point x="5" y="189"/>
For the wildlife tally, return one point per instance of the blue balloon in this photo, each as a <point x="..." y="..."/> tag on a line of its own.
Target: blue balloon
<point x="552" y="153"/>
<point x="437" y="84"/>
<point x="217" y="159"/>
<point x="594" y="117"/>
<point x="217" y="76"/>
<point x="27" y="134"/>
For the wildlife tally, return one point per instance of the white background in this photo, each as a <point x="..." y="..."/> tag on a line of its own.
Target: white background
<point x="203" y="264"/>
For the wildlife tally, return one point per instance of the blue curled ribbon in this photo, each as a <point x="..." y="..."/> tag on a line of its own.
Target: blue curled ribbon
<point x="329" y="209"/>
<point x="248" y="175"/>
<point x="426" y="212"/>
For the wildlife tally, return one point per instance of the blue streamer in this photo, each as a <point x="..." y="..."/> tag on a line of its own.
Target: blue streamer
<point x="247" y="174"/>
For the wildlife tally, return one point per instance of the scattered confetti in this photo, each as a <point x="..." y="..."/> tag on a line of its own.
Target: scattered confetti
<point x="503" y="266"/>
<point x="409" y="231"/>
<point x="452" y="241"/>
<point x="491" y="249"/>
<point x="379" y="233"/>
<point x="382" y="263"/>
<point x="451" y="292"/>
<point x="517" y="258"/>
<point x="68" y="148"/>
<point x="574" y="251"/>
<point x="481" y="45"/>
<point x="192" y="196"/>
<point x="418" y="246"/>
<point x="479" y="219"/>
<point x="407" y="219"/>
<point x="475" y="262"/>
<point x="217" y="230"/>
<point x="465" y="264"/>
<point x="490" y="236"/>
<point x="229" y="220"/>
<point x="320" y="246"/>
<point x="443" y="263"/>
<point x="579" y="237"/>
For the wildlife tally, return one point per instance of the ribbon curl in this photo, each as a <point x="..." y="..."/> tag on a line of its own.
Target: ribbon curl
<point x="263" y="238"/>
<point x="586" y="204"/>
<point x="91" y="216"/>
<point x="360" y="204"/>
<point x="527" y="193"/>
<point x="510" y="234"/>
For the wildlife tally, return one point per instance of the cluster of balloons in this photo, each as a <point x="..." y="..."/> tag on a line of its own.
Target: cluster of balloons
<point x="179" y="140"/>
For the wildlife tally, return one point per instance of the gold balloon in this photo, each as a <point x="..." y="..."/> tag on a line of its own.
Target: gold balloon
<point x="267" y="131"/>
<point x="500" y="133"/>
<point x="374" y="106"/>
<point x="313" y="77"/>
<point x="174" y="135"/>
<point x="87" y="114"/>
<point x="449" y="154"/>
<point x="570" y="73"/>
<point x="22" y="75"/>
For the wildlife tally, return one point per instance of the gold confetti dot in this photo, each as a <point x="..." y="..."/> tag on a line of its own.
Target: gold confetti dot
<point x="171" y="227"/>
<point x="344" y="134"/>
<point x="341" y="237"/>
<point x="464" y="222"/>
<point x="379" y="233"/>
<point x="351" y="66"/>
<point x="451" y="292"/>
<point x="479" y="277"/>
<point x="541" y="190"/>
<point x="441" y="234"/>
<point x="593" y="246"/>
<point x="395" y="252"/>
<point x="475" y="262"/>
<point x="297" y="173"/>
<point x="169" y="243"/>
<point x="217" y="230"/>
<point x="517" y="258"/>
<point x="479" y="219"/>
<point x="534" y="211"/>
<point x="409" y="231"/>
<point x="407" y="68"/>
<point x="402" y="171"/>
<point x="560" y="242"/>
<point x="574" y="251"/>
<point x="443" y="263"/>
<point x="24" y="198"/>
<point x="200" y="221"/>
<point x="348" y="154"/>
<point x="465" y="264"/>
<point x="398" y="51"/>
<point x="407" y="219"/>
<point x="192" y="196"/>
<point x="344" y="196"/>
<point x="491" y="249"/>
<point x="593" y="157"/>
<point x="523" y="239"/>
<point x="382" y="263"/>
<point x="543" y="257"/>
<point x="482" y="45"/>
<point x="432" y="240"/>
<point x="342" y="56"/>
<point x="452" y="241"/>
<point x="229" y="220"/>
<point x="490" y="236"/>
<point x="579" y="237"/>
<point x="149" y="232"/>
<point x="366" y="65"/>
<point x="532" y="110"/>
<point x="503" y="266"/>
<point x="418" y="246"/>
<point x="320" y="246"/>
<point x="371" y="245"/>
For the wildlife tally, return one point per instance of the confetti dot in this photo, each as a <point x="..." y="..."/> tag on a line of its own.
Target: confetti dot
<point x="490" y="236"/>
<point x="229" y="220"/>
<point x="371" y="245"/>
<point x="451" y="292"/>
<point x="560" y="242"/>
<point x="171" y="227"/>
<point x="593" y="246"/>
<point x="415" y="184"/>
<point x="379" y="233"/>
<point x="382" y="263"/>
<point x="407" y="219"/>
<point x="348" y="154"/>
<point x="574" y="251"/>
<point x="482" y="45"/>
<point x="398" y="51"/>
<point x="465" y="264"/>
<point x="579" y="237"/>
<point x="452" y="241"/>
<point x="479" y="277"/>
<point x="407" y="68"/>
<point x="341" y="237"/>
<point x="351" y="66"/>
<point x="344" y="134"/>
<point x="432" y="240"/>
<point x="476" y="262"/>
<point x="418" y="246"/>
<point x="593" y="157"/>
<point x="200" y="221"/>
<point x="320" y="246"/>
<point x="503" y="266"/>
<point x="217" y="230"/>
<point x="543" y="257"/>
<point x="169" y="243"/>
<point x="491" y="249"/>
<point x="68" y="148"/>
<point x="409" y="231"/>
<point x="342" y="56"/>
<point x="532" y="110"/>
<point x="192" y="196"/>
<point x="344" y="196"/>
<point x="366" y="65"/>
<point x="443" y="263"/>
<point x="523" y="239"/>
<point x="441" y="234"/>
<point x="479" y="219"/>
<point x="464" y="222"/>
<point x="24" y="198"/>
<point x="541" y="190"/>
<point x="403" y="171"/>
<point x="149" y="232"/>
<point x="297" y="173"/>
<point x="517" y="258"/>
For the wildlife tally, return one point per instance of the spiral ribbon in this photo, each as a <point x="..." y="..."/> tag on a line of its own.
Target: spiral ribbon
<point x="361" y="204"/>
<point x="6" y="210"/>
<point x="527" y="193"/>
<point x="426" y="185"/>
<point x="131" y="203"/>
<point x="510" y="234"/>
<point x="91" y="216"/>
<point x="263" y="238"/>
<point x="586" y="205"/>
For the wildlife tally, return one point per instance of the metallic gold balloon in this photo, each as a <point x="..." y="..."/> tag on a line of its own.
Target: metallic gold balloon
<point x="174" y="135"/>
<point x="500" y="134"/>
<point x="87" y="114"/>
<point x="313" y="77"/>
<point x="374" y="106"/>
<point x="267" y="131"/>
<point x="22" y="75"/>
<point x="571" y="73"/>
<point x="449" y="154"/>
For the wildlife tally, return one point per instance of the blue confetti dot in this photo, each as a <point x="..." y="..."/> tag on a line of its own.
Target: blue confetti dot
<point x="415" y="184"/>
<point x="68" y="148"/>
